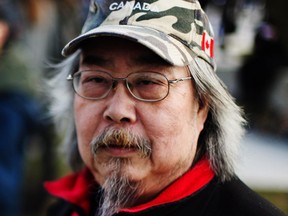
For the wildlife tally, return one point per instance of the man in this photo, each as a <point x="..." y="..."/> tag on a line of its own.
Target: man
<point x="151" y="129"/>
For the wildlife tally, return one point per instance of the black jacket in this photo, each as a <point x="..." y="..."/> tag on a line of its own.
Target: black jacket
<point x="232" y="198"/>
<point x="213" y="198"/>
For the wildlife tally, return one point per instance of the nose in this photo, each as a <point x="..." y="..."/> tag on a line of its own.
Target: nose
<point x="120" y="105"/>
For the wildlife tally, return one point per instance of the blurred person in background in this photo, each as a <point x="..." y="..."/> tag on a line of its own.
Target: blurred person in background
<point x="21" y="114"/>
<point x="16" y="122"/>
<point x="264" y="70"/>
<point x="150" y="128"/>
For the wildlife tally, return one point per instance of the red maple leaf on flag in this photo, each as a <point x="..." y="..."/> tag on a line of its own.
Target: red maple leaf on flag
<point x="208" y="44"/>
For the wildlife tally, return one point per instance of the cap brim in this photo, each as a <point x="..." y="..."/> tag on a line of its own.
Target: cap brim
<point x="167" y="47"/>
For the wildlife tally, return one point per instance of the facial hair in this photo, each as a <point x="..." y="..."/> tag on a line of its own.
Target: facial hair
<point x="121" y="138"/>
<point x="118" y="191"/>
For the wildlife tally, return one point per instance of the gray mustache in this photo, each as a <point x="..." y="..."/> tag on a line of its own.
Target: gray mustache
<point x="121" y="138"/>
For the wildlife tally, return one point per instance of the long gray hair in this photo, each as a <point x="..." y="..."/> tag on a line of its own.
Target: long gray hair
<point x="219" y="139"/>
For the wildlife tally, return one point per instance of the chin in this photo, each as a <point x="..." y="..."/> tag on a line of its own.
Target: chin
<point x="122" y="167"/>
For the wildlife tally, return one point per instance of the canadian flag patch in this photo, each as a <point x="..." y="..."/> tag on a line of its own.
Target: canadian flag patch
<point x="208" y="44"/>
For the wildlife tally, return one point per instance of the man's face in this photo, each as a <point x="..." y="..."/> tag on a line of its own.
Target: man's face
<point x="171" y="126"/>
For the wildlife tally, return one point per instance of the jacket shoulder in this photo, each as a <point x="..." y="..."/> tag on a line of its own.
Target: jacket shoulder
<point x="236" y="198"/>
<point x="63" y="208"/>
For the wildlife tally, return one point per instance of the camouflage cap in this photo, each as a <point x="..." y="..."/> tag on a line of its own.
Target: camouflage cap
<point x="176" y="30"/>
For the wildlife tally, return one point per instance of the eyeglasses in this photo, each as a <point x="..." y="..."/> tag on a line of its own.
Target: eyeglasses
<point x="145" y="85"/>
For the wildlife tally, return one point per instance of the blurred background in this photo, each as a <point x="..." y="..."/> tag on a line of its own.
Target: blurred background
<point x="252" y="55"/>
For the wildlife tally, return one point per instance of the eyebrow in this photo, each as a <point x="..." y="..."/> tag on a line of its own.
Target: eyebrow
<point x="94" y="60"/>
<point x="150" y="60"/>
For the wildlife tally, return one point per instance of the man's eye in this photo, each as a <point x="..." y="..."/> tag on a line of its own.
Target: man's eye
<point x="96" y="79"/>
<point x="145" y="82"/>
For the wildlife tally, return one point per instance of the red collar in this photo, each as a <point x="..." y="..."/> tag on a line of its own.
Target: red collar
<point x="75" y="188"/>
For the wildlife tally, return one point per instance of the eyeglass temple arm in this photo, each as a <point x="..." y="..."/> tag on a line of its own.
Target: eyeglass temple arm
<point x="179" y="79"/>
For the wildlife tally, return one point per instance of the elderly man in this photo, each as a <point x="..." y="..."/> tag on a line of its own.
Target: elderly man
<point x="150" y="128"/>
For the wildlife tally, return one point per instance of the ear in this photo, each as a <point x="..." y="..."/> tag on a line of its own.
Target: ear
<point x="202" y="113"/>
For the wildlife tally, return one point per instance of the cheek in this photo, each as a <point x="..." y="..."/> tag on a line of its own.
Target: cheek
<point x="85" y="122"/>
<point x="176" y="126"/>
<point x="174" y="140"/>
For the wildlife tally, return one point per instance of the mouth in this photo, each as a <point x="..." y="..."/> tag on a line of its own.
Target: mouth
<point x="118" y="150"/>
